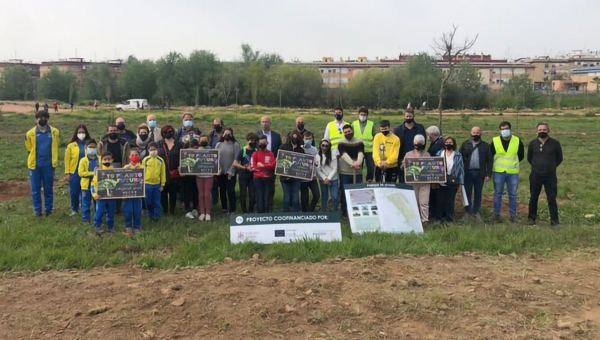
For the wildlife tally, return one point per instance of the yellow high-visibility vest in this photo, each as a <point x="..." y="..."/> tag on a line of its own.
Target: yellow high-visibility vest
<point x="335" y="135"/>
<point x="506" y="161"/>
<point x="367" y="136"/>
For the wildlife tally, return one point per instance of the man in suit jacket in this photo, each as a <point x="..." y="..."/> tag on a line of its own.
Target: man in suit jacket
<point x="274" y="143"/>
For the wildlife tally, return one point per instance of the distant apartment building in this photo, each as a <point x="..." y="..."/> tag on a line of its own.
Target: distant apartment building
<point x="34" y="69"/>
<point x="587" y="77"/>
<point x="494" y="72"/>
<point x="79" y="66"/>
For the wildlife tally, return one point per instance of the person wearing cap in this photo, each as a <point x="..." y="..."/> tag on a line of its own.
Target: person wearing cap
<point x="187" y="128"/>
<point x="365" y="130"/>
<point x="42" y="144"/>
<point x="154" y="135"/>
<point x="407" y="132"/>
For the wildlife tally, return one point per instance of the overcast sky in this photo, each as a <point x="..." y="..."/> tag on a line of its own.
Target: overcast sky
<point x="41" y="30"/>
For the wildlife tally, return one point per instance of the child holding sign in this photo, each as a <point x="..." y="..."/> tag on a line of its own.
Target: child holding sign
<point x="103" y="206"/>
<point x="87" y="166"/>
<point x="132" y="207"/>
<point x="156" y="178"/>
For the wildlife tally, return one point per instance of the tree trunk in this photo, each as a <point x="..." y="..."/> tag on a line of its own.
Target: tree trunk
<point x="440" y="102"/>
<point x="197" y="97"/>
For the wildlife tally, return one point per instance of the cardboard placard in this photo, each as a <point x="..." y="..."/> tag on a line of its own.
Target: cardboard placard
<point x="421" y="170"/>
<point x="199" y="162"/>
<point x="295" y="165"/>
<point x="121" y="183"/>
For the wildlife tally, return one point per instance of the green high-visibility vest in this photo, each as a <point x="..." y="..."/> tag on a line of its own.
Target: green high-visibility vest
<point x="367" y="136"/>
<point x="506" y="161"/>
<point x="335" y="135"/>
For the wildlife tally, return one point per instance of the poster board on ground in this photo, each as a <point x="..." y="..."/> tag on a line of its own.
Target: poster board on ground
<point x="121" y="183"/>
<point x="295" y="165"/>
<point x="382" y="207"/>
<point x="285" y="227"/>
<point x="199" y="162"/>
<point x="421" y="170"/>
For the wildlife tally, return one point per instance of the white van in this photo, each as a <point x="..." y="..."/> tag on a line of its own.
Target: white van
<point x="133" y="105"/>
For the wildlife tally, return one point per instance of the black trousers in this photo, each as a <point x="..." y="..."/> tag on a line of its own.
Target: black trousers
<point x="445" y="203"/>
<point x="401" y="176"/>
<point x="247" y="189"/>
<point x="550" y="184"/>
<point x="227" y="192"/>
<point x="168" y="197"/>
<point x="271" y="194"/>
<point x="313" y="186"/>
<point x="391" y="174"/>
<point x="214" y="192"/>
<point x="190" y="193"/>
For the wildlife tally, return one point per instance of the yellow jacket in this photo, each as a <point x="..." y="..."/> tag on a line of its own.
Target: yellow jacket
<point x="30" y="146"/>
<point x="390" y="145"/>
<point x="129" y="166"/>
<point x="95" y="180"/>
<point x="72" y="157"/>
<point x="85" y="173"/>
<point x="156" y="172"/>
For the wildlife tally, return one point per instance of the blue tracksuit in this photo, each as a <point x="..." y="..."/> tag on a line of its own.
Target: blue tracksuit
<point x="74" y="184"/>
<point x="106" y="206"/>
<point x="43" y="175"/>
<point x="132" y="209"/>
<point x="86" y="194"/>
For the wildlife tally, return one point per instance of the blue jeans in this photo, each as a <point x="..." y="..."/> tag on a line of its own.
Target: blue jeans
<point x="263" y="188"/>
<point x="291" y="193"/>
<point x="42" y="176"/>
<point x="105" y="207"/>
<point x="347" y="179"/>
<point x="512" y="182"/>
<point x="474" y="180"/>
<point x="334" y="190"/>
<point x="75" y="189"/>
<point x="132" y="209"/>
<point x="86" y="202"/>
<point x="154" y="207"/>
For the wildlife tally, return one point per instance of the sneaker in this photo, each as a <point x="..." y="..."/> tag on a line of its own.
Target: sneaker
<point x="207" y="217"/>
<point x="201" y="217"/>
<point x="466" y="218"/>
<point x="73" y="213"/>
<point x="190" y="215"/>
<point x="554" y="223"/>
<point x="129" y="232"/>
<point x="48" y="214"/>
<point x="38" y="214"/>
<point x="195" y="213"/>
<point x="478" y="218"/>
<point x="497" y="219"/>
<point x="514" y="219"/>
<point x="531" y="222"/>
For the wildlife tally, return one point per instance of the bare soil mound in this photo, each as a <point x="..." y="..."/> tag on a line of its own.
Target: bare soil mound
<point x="10" y="190"/>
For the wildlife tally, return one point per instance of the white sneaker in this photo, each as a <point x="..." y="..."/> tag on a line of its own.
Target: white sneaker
<point x="195" y="213"/>
<point x="207" y="217"/>
<point x="190" y="215"/>
<point x="201" y="218"/>
<point x="73" y="213"/>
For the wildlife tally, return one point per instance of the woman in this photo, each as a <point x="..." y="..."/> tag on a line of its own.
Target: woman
<point x="142" y="140"/>
<point x="291" y="186"/>
<point x="204" y="183"/>
<point x="228" y="150"/>
<point x="242" y="164"/>
<point x="327" y="174"/>
<point x="75" y="152"/>
<point x="421" y="190"/>
<point x="189" y="189"/>
<point x="455" y="171"/>
<point x="168" y="150"/>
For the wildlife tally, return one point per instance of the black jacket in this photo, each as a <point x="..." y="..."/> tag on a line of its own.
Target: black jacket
<point x="486" y="161"/>
<point x="172" y="159"/>
<point x="544" y="158"/>
<point x="408" y="145"/>
<point x="436" y="146"/>
<point x="275" y="141"/>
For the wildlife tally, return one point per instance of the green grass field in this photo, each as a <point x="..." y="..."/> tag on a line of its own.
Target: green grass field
<point x="29" y="243"/>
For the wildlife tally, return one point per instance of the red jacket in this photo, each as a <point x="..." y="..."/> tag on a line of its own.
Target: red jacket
<point x="265" y="157"/>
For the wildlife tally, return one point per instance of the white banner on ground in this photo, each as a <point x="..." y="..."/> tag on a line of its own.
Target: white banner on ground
<point x="383" y="207"/>
<point x="285" y="227"/>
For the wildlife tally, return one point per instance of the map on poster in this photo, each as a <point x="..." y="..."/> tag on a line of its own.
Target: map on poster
<point x="382" y="207"/>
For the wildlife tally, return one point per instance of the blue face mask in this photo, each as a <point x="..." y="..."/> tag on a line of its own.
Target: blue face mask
<point x="308" y="142"/>
<point x="505" y="133"/>
<point x="188" y="123"/>
<point x="152" y="124"/>
<point x="91" y="151"/>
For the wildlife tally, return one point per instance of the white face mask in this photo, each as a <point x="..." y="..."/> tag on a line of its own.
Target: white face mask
<point x="81" y="136"/>
<point x="362" y="118"/>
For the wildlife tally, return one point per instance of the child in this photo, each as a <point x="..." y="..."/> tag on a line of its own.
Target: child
<point x="156" y="178"/>
<point x="189" y="187"/>
<point x="204" y="184"/>
<point x="132" y="207"/>
<point x="87" y="165"/>
<point x="262" y="164"/>
<point x="103" y="206"/>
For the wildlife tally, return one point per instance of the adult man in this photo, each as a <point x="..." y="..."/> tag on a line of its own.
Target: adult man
<point x="436" y="138"/>
<point x="333" y="131"/>
<point x="117" y="146"/>
<point x="407" y="132"/>
<point x="154" y="135"/>
<point x="42" y="144"/>
<point x="312" y="185"/>
<point x="187" y="128"/>
<point x="364" y="129"/>
<point x="478" y="162"/>
<point x="387" y="149"/>
<point x="213" y="138"/>
<point x="273" y="144"/>
<point x="508" y="152"/>
<point x="352" y="154"/>
<point x="545" y="155"/>
<point x="301" y="127"/>
<point x="123" y="133"/>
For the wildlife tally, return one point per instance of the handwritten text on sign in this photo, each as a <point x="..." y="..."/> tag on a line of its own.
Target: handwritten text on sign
<point x="121" y="183"/>
<point x="199" y="162"/>
<point x="295" y="165"/>
<point x="425" y="170"/>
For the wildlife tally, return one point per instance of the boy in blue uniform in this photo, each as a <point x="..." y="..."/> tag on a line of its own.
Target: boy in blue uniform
<point x="87" y="167"/>
<point x="156" y="178"/>
<point x="132" y="207"/>
<point x="103" y="206"/>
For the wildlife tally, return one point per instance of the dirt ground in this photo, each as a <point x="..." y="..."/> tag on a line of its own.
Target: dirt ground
<point x="462" y="297"/>
<point x="10" y="190"/>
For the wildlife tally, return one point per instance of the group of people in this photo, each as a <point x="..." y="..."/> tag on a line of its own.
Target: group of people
<point x="339" y="160"/>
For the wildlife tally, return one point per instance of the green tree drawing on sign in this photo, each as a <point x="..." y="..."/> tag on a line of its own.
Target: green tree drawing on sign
<point x="414" y="170"/>
<point x="189" y="163"/>
<point x="107" y="184"/>
<point x="285" y="164"/>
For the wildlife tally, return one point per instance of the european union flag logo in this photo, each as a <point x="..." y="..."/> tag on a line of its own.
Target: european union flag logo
<point x="279" y="233"/>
